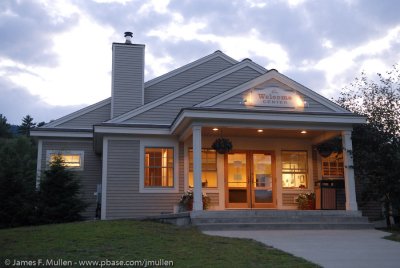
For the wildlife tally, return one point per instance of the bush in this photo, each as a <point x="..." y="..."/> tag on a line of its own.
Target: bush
<point x="17" y="182"/>
<point x="59" y="195"/>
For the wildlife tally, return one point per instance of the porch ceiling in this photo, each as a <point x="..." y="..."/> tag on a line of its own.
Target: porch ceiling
<point x="266" y="133"/>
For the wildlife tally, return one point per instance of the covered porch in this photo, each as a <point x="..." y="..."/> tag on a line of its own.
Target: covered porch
<point x="272" y="161"/>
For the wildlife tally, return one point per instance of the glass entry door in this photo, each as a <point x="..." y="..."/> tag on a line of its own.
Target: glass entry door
<point x="249" y="180"/>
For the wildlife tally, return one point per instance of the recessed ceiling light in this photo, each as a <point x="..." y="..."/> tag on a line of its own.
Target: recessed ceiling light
<point x="260" y="130"/>
<point x="215" y="129"/>
<point x="303" y="132"/>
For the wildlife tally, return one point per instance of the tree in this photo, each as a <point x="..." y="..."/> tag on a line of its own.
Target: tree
<point x="59" y="195"/>
<point x="4" y="127"/>
<point x="376" y="145"/>
<point x="17" y="182"/>
<point x="26" y="126"/>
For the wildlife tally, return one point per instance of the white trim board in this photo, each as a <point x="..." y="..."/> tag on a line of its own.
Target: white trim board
<point x="272" y="74"/>
<point x="185" y="90"/>
<point x="78" y="113"/>
<point x="104" y="180"/>
<point x="216" y="54"/>
<point x="64" y="134"/>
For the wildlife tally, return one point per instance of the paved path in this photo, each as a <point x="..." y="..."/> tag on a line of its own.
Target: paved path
<point x="329" y="248"/>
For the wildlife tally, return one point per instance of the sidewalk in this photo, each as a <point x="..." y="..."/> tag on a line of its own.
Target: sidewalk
<point x="329" y="248"/>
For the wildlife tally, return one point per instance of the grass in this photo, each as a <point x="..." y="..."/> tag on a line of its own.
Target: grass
<point x="395" y="236"/>
<point x="134" y="240"/>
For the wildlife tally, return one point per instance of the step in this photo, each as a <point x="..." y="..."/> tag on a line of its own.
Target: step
<point x="283" y="226"/>
<point x="274" y="219"/>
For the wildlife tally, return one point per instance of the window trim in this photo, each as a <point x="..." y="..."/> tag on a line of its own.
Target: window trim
<point x="173" y="171"/>
<point x="67" y="152"/>
<point x="307" y="172"/>
<point x="159" y="143"/>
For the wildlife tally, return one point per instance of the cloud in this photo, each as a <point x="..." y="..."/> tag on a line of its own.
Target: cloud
<point x="16" y="103"/>
<point x="26" y="28"/>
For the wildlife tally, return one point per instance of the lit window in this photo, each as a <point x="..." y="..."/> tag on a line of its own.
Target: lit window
<point x="332" y="166"/>
<point x="159" y="167"/>
<point x="294" y="169"/>
<point x="208" y="168"/>
<point x="71" y="159"/>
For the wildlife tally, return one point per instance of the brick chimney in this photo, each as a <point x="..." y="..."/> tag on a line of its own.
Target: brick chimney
<point x="127" y="82"/>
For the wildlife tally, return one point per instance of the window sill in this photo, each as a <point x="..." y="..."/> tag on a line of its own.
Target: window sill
<point x="158" y="190"/>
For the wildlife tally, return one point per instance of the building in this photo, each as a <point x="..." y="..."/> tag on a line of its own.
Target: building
<point x="150" y="141"/>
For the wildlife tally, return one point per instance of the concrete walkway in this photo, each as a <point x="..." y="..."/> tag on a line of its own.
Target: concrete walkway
<point x="329" y="248"/>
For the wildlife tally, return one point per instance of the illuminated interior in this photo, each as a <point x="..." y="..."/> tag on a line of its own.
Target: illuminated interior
<point x="159" y="167"/>
<point x="294" y="169"/>
<point x="208" y="168"/>
<point x="332" y="166"/>
<point x="237" y="171"/>
<point x="70" y="160"/>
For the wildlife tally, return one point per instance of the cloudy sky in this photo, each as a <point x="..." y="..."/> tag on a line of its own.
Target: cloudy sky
<point x="55" y="56"/>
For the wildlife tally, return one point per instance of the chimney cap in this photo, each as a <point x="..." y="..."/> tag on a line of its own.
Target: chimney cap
<point x="128" y="36"/>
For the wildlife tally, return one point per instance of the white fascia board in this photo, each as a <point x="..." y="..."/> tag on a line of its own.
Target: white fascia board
<point x="272" y="74"/>
<point x="189" y="66"/>
<point x="269" y="117"/>
<point x="78" y="113"/>
<point x="185" y="90"/>
<point x="131" y="130"/>
<point x="64" y="134"/>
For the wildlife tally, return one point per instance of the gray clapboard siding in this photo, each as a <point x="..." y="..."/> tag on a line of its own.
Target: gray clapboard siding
<point x="89" y="177"/>
<point x="127" y="78"/>
<point x="89" y="119"/>
<point x="288" y="199"/>
<point x="235" y="101"/>
<point x="166" y="113"/>
<point x="185" y="78"/>
<point x="123" y="197"/>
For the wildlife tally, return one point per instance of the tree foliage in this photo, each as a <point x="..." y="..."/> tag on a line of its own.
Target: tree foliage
<point x="59" y="195"/>
<point x="17" y="182"/>
<point x="376" y="145"/>
<point x="26" y="126"/>
<point x="4" y="127"/>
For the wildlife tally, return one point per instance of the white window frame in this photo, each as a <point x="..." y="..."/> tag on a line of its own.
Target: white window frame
<point x="159" y="143"/>
<point x="66" y="152"/>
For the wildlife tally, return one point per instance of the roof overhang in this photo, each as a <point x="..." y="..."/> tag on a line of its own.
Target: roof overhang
<point x="269" y="119"/>
<point x="61" y="132"/>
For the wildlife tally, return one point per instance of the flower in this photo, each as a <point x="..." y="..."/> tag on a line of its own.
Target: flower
<point x="306" y="201"/>
<point x="187" y="200"/>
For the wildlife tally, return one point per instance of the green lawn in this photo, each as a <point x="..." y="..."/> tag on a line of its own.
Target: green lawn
<point x="395" y="236"/>
<point x="134" y="240"/>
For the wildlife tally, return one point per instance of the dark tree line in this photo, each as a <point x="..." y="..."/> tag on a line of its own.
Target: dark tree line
<point x="58" y="197"/>
<point x="376" y="144"/>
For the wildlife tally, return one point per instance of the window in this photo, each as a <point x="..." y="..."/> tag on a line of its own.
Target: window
<point x="208" y="168"/>
<point x="294" y="169"/>
<point x="72" y="159"/>
<point x="159" y="167"/>
<point x="332" y="166"/>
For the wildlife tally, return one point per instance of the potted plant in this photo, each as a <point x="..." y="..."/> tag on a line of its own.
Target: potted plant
<point x="186" y="201"/>
<point x="222" y="145"/>
<point x="306" y="201"/>
<point x="334" y="145"/>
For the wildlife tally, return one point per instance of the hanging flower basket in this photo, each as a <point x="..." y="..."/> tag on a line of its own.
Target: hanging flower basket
<point x="332" y="146"/>
<point x="222" y="145"/>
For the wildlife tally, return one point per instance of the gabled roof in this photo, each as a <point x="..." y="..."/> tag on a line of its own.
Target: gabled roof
<point x="187" y="89"/>
<point x="186" y="67"/>
<point x="77" y="114"/>
<point x="272" y="74"/>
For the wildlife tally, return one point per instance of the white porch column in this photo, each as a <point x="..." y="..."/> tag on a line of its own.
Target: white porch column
<point x="351" y="202"/>
<point x="197" y="193"/>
